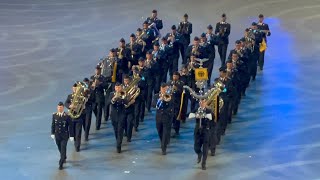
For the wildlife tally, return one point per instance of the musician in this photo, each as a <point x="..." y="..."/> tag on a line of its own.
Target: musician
<point x="265" y="28"/>
<point x="185" y="28"/>
<point x="174" y="39"/>
<point x="223" y="31"/>
<point x="123" y="63"/>
<point x="166" y="51"/>
<point x="258" y="35"/>
<point x="242" y="70"/>
<point x="136" y="50"/>
<point x="98" y="86"/>
<point x="76" y="123"/>
<point x="242" y="52"/>
<point x="186" y="79"/>
<point x="234" y="76"/>
<point x="227" y="95"/>
<point x="192" y="65"/>
<point x="140" y="103"/>
<point x="195" y="49"/>
<point x="129" y="111"/>
<point x="148" y="36"/>
<point x="177" y="88"/>
<point x="202" y="132"/>
<point x="209" y="52"/>
<point x="61" y="130"/>
<point x="155" y="22"/>
<point x="88" y="109"/>
<point x="253" y="59"/>
<point x="160" y="61"/>
<point x="151" y="68"/>
<point x="118" y="103"/>
<point x="163" y="102"/>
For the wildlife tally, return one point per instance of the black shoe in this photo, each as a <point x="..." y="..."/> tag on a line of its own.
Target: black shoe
<point x="119" y="149"/>
<point x="97" y="128"/>
<point x="128" y="140"/>
<point x="204" y="167"/>
<point x="78" y="149"/>
<point x="60" y="167"/>
<point x="164" y="152"/>
<point x="253" y="79"/>
<point x="136" y="129"/>
<point x="86" y="139"/>
<point x="199" y="158"/>
<point x="261" y="69"/>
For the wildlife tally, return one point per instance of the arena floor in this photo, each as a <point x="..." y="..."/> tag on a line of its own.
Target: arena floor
<point x="47" y="45"/>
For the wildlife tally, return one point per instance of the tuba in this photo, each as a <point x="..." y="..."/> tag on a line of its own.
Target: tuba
<point x="106" y="66"/>
<point x="80" y="97"/>
<point x="132" y="91"/>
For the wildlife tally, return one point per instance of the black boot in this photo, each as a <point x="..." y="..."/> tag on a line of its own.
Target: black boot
<point x="199" y="157"/>
<point x="60" y="166"/>
<point x="204" y="167"/>
<point x="119" y="149"/>
<point x="213" y="152"/>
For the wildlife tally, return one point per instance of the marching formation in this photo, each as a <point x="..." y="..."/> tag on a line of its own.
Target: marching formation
<point x="133" y="78"/>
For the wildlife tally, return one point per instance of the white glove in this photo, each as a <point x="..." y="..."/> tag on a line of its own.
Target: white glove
<point x="71" y="139"/>
<point x="52" y="136"/>
<point x="209" y="116"/>
<point x="192" y="115"/>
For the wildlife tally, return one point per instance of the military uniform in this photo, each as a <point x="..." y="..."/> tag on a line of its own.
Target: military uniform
<point x="164" y="115"/>
<point x="185" y="29"/>
<point x="263" y="26"/>
<point x="151" y="69"/>
<point x="140" y="103"/>
<point x="118" y="118"/>
<point x="223" y="31"/>
<point x="129" y="119"/>
<point x="88" y="114"/>
<point x="62" y="129"/>
<point x="99" y="97"/>
<point x="176" y="95"/>
<point x="201" y="136"/>
<point x="76" y="123"/>
<point x="173" y="56"/>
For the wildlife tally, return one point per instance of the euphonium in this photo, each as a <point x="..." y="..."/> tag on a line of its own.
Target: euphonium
<point x="132" y="91"/>
<point x="78" y="101"/>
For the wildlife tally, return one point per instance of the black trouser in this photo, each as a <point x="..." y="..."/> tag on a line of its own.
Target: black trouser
<point x="98" y="106"/>
<point x="62" y="147"/>
<point x="185" y="103"/>
<point x="209" y="65"/>
<point x="235" y="102"/>
<point x="77" y="126"/>
<point x="87" y="122"/>
<point x="183" y="47"/>
<point x="175" y="121"/>
<point x="223" y="119"/>
<point x="163" y="124"/>
<point x="253" y="69"/>
<point x="173" y="64"/>
<point x="150" y="87"/>
<point x="157" y="83"/>
<point x="261" y="60"/>
<point x="213" y="136"/>
<point x="128" y="122"/>
<point x="164" y="73"/>
<point x="139" y="108"/>
<point x="222" y="49"/>
<point x="118" y="127"/>
<point x="201" y="141"/>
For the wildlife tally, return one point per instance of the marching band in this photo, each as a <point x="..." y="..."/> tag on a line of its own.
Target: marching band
<point x="133" y="78"/>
